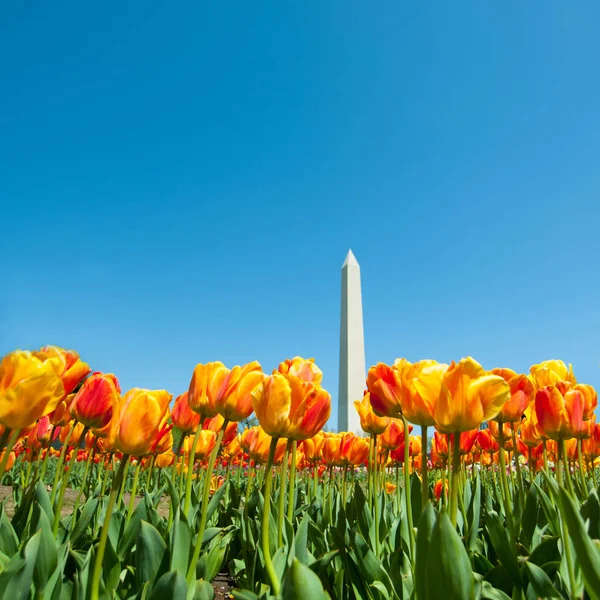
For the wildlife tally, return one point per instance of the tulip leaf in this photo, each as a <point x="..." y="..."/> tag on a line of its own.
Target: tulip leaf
<point x="540" y="582"/>
<point x="504" y="548"/>
<point x="150" y="550"/>
<point x="530" y="516"/>
<point x="210" y="562"/>
<point x="588" y="555"/>
<point x="47" y="556"/>
<point x="474" y="516"/>
<point x="180" y="543"/>
<point x="9" y="542"/>
<point x="203" y="590"/>
<point x="85" y="518"/>
<point x="216" y="500"/>
<point x="450" y="576"/>
<point x="301" y="583"/>
<point x="171" y="586"/>
<point x="17" y="578"/>
<point x="424" y="532"/>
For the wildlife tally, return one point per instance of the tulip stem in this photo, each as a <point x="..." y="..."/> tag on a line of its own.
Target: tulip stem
<point x="275" y="583"/>
<point x="191" y="460"/>
<point x="12" y="438"/>
<point x="123" y="485"/>
<point x="292" y="490"/>
<point x="280" y="513"/>
<point x="407" y="498"/>
<point x="95" y="587"/>
<point x="518" y="466"/>
<point x="545" y="451"/>
<point x="505" y="492"/>
<point x="424" y="480"/>
<point x="205" y="497"/>
<point x="150" y="471"/>
<point x="370" y="472"/>
<point x="60" y="462"/>
<point x="455" y="478"/>
<point x="81" y="487"/>
<point x="581" y="473"/>
<point x="63" y="487"/>
<point x="131" y="505"/>
<point x="316" y="479"/>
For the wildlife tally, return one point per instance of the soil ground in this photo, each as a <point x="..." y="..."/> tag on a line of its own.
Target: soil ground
<point x="222" y="584"/>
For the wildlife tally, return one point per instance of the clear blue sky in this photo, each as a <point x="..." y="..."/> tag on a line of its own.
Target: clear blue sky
<point x="181" y="181"/>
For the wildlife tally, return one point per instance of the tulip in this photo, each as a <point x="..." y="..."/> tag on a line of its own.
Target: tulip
<point x="528" y="430"/>
<point x="60" y="416"/>
<point x="217" y="423"/>
<point x="313" y="448"/>
<point x="164" y="460"/>
<point x="590" y="399"/>
<point x="502" y="435"/>
<point x="468" y="396"/>
<point x="29" y="388"/>
<point x="204" y="445"/>
<point x="198" y="398"/>
<point x="72" y="369"/>
<point x="303" y="368"/>
<point x="183" y="417"/>
<point x="138" y="420"/>
<point x="390" y="488"/>
<point x="487" y="442"/>
<point x="72" y="434"/>
<point x="550" y="372"/>
<point x="331" y="450"/>
<point x="393" y="436"/>
<point x="560" y="411"/>
<point x="388" y="387"/>
<point x="230" y="390"/>
<point x="521" y="395"/>
<point x="369" y="421"/>
<point x="286" y="406"/>
<point x="353" y="450"/>
<point x="43" y="430"/>
<point x="232" y="449"/>
<point x="93" y="403"/>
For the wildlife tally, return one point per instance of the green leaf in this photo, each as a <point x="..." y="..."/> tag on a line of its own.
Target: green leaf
<point x="203" y="590"/>
<point x="16" y="580"/>
<point x="181" y="539"/>
<point x="47" y="555"/>
<point x="540" y="582"/>
<point x="150" y="550"/>
<point x="530" y="516"/>
<point x="301" y="541"/>
<point x="85" y="518"/>
<point x="474" y="516"/>
<point x="171" y="586"/>
<point x="505" y="550"/>
<point x="424" y="533"/>
<point x="301" y="583"/>
<point x="9" y="542"/>
<point x="588" y="555"/>
<point x="210" y="562"/>
<point x="215" y="501"/>
<point x="448" y="566"/>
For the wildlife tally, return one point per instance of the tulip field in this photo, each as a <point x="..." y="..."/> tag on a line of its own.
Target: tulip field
<point x="137" y="495"/>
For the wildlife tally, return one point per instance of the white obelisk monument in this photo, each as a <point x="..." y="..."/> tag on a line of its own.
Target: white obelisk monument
<point x="352" y="347"/>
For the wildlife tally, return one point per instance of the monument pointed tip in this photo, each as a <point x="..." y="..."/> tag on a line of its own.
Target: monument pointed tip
<point x="350" y="259"/>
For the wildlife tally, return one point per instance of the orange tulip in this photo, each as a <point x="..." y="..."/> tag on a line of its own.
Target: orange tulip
<point x="590" y="399"/>
<point x="494" y="429"/>
<point x="29" y="388"/>
<point x="390" y="488"/>
<point x="369" y="421"/>
<point x="163" y="442"/>
<point x="313" y="448"/>
<point x="138" y="420"/>
<point x="232" y="449"/>
<point x="437" y="488"/>
<point x="528" y="430"/>
<point x="261" y="444"/>
<point x="388" y="388"/>
<point x="486" y="441"/>
<point x="423" y="392"/>
<point x="164" y="460"/>
<point x="93" y="403"/>
<point x="331" y="449"/>
<point x="303" y="368"/>
<point x="229" y="390"/>
<point x="560" y="412"/>
<point x="550" y="372"/>
<point x="43" y="430"/>
<point x="72" y="369"/>
<point x="198" y="398"/>
<point x="353" y="449"/>
<point x="216" y="424"/>
<point x="521" y="395"/>
<point x="468" y="397"/>
<point x="10" y="462"/>
<point x="60" y="416"/>
<point x="76" y="435"/>
<point x="286" y="406"/>
<point x="183" y="417"/>
<point x="204" y="446"/>
<point x="393" y="436"/>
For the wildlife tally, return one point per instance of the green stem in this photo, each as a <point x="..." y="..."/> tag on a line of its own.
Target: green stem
<point x="275" y="583"/>
<point x="424" y="480"/>
<point x="63" y="487"/>
<point x="455" y="478"/>
<point x="292" y="490"/>
<point x="316" y="479"/>
<point x="205" y="498"/>
<point x="344" y="476"/>
<point x="370" y="472"/>
<point x="284" y="469"/>
<point x="504" y="483"/>
<point x="81" y="487"/>
<point x="124" y="484"/>
<point x="60" y="463"/>
<point x="191" y="460"/>
<point x="409" y="515"/>
<point x="150" y="470"/>
<point x="95" y="586"/>
<point x="518" y="466"/>
<point x="561" y="462"/>
<point x="131" y="505"/>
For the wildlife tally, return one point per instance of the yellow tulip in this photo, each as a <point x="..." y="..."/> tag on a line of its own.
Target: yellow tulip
<point x="29" y="388"/>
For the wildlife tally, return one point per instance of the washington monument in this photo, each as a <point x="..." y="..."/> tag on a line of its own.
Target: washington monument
<point x="352" y="347"/>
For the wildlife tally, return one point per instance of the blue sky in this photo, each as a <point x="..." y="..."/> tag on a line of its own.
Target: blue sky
<point x="181" y="181"/>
